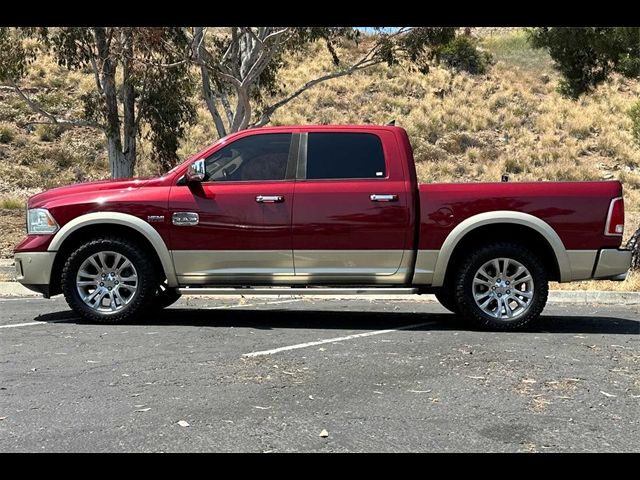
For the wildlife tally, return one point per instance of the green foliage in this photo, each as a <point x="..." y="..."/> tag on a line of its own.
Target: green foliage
<point x="586" y="56"/>
<point x="162" y="93"/>
<point x="462" y="54"/>
<point x="48" y="132"/>
<point x="166" y="111"/>
<point x="14" y="57"/>
<point x="634" y="113"/>
<point x="7" y="133"/>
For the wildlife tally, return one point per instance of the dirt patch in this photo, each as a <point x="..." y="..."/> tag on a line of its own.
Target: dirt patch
<point x="13" y="231"/>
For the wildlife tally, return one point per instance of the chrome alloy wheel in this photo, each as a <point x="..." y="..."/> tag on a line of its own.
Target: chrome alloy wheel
<point x="503" y="288"/>
<point x="107" y="281"/>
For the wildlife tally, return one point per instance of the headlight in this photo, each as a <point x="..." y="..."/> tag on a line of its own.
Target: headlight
<point x="40" y="221"/>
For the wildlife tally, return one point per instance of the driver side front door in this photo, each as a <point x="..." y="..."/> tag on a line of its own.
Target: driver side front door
<point x="244" y="206"/>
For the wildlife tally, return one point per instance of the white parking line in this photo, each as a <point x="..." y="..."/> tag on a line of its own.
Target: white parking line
<point x="332" y="340"/>
<point x="34" y="323"/>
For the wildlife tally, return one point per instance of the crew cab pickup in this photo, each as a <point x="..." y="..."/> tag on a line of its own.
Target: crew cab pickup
<point x="318" y="209"/>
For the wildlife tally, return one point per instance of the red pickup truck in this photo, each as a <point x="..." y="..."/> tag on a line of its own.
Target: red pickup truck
<point x="319" y="210"/>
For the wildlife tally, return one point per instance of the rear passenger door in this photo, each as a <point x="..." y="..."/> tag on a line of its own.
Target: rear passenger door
<point x="351" y="213"/>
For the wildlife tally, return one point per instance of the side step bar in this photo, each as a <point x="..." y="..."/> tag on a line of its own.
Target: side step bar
<point x="296" y="291"/>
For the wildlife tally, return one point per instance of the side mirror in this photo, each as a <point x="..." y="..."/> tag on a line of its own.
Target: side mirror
<point x="196" y="172"/>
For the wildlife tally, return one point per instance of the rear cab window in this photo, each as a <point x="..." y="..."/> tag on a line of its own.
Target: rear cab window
<point x="344" y="155"/>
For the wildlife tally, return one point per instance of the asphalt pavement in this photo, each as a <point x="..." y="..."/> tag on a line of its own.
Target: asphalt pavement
<point x="273" y="374"/>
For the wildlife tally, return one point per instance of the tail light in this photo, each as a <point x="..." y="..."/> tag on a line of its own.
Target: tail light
<point x="615" y="218"/>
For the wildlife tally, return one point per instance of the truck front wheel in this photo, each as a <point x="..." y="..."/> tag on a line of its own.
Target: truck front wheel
<point x="109" y="280"/>
<point x="502" y="286"/>
<point x="447" y="300"/>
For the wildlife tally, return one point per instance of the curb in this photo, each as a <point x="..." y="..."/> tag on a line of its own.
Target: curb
<point x="580" y="297"/>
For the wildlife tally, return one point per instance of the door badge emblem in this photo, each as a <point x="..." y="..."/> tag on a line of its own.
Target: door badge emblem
<point x="185" y="218"/>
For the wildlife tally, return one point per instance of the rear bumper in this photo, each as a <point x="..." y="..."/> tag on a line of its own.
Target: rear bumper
<point x="33" y="270"/>
<point x="612" y="264"/>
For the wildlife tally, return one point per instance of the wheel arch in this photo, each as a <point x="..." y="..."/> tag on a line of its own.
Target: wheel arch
<point x="552" y="249"/>
<point x="93" y="224"/>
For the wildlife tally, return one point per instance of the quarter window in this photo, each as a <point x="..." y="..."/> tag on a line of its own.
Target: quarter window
<point x="344" y="155"/>
<point x="256" y="157"/>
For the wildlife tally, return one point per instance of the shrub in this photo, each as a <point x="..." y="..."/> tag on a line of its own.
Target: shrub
<point x="11" y="203"/>
<point x="634" y="113"/>
<point x="461" y="54"/>
<point x="7" y="134"/>
<point x="48" y="132"/>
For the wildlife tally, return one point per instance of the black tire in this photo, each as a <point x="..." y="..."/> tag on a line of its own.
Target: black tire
<point x="146" y="277"/>
<point x="464" y="294"/>
<point x="447" y="300"/>
<point x="165" y="296"/>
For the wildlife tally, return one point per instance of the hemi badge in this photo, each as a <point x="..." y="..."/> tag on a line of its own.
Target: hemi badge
<point x="155" y="218"/>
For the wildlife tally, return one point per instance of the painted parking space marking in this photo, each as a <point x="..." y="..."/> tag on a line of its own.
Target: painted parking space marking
<point x="26" y="324"/>
<point x="336" y="339"/>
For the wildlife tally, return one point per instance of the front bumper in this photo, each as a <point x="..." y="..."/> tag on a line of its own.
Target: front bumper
<point x="612" y="264"/>
<point x="33" y="270"/>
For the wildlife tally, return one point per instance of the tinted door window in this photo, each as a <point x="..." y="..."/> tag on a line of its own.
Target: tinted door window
<point x="344" y="155"/>
<point x="257" y="157"/>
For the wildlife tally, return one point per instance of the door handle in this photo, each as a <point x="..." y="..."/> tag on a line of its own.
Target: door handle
<point x="383" y="198"/>
<point x="269" y="198"/>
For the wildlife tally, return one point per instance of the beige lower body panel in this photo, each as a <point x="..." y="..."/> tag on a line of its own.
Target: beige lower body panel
<point x="34" y="268"/>
<point x="276" y="267"/>
<point x="388" y="267"/>
<point x="581" y="263"/>
<point x="199" y="267"/>
<point x="425" y="266"/>
<point x="612" y="263"/>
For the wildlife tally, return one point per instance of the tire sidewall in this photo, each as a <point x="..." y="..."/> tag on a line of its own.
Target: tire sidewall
<point x="464" y="285"/>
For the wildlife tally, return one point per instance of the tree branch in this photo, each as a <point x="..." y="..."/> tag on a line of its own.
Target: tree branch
<point x="63" y="122"/>
<point x="265" y="117"/>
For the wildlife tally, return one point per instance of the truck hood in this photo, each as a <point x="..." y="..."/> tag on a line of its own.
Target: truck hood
<point x="41" y="199"/>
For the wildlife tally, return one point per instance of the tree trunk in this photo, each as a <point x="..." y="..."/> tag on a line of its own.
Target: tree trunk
<point x="121" y="164"/>
<point x="634" y="245"/>
<point x="129" y="102"/>
<point x="207" y="93"/>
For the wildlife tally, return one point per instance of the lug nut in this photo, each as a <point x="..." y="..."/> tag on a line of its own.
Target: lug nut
<point x="499" y="295"/>
<point x="493" y="288"/>
<point x="117" y="282"/>
<point x="507" y="283"/>
<point x="102" y="284"/>
<point x="109" y="288"/>
<point x="508" y="291"/>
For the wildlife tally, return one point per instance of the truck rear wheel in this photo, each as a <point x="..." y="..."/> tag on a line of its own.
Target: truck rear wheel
<point x="109" y="280"/>
<point x="502" y="286"/>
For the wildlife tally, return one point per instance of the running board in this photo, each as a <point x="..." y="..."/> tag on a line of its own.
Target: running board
<point x="296" y="291"/>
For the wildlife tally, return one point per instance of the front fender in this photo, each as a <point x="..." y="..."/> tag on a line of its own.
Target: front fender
<point x="139" y="225"/>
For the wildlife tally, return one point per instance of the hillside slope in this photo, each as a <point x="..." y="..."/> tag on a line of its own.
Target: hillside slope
<point x="463" y="127"/>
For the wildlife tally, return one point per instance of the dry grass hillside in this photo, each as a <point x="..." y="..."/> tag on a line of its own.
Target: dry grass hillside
<point x="463" y="127"/>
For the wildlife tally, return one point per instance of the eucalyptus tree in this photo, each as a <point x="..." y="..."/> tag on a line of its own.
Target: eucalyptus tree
<point x="132" y="95"/>
<point x="240" y="66"/>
